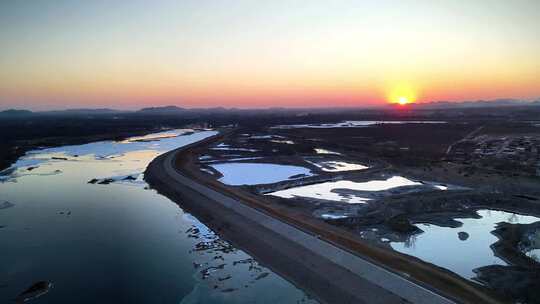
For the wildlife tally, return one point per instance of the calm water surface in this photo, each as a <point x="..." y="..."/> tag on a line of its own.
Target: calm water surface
<point x="257" y="173"/>
<point x="117" y="242"/>
<point x="442" y="246"/>
<point x="326" y="190"/>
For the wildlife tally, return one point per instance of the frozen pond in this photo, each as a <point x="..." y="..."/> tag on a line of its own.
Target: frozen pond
<point x="282" y="141"/>
<point x="117" y="242"/>
<point x="338" y="166"/>
<point x="231" y="160"/>
<point x="234" y="149"/>
<point x="324" y="151"/>
<point x="265" y="136"/>
<point x="327" y="216"/>
<point x="439" y="245"/>
<point x="327" y="191"/>
<point x="534" y="254"/>
<point x="258" y="173"/>
<point x="354" y="124"/>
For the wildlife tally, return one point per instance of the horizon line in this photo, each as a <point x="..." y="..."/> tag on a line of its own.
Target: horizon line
<point x="367" y="106"/>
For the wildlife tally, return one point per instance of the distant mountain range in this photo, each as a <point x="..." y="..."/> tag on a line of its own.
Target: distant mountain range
<point x="88" y="111"/>
<point x="170" y="110"/>
<point x="18" y="113"/>
<point x="162" y="110"/>
<point x="14" y="112"/>
<point x="175" y="109"/>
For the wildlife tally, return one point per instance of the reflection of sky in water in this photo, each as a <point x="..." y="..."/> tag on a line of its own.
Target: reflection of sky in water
<point x="442" y="247"/>
<point x="161" y="142"/>
<point x="101" y="150"/>
<point x="108" y="148"/>
<point x="325" y="190"/>
<point x="257" y="173"/>
<point x="113" y="243"/>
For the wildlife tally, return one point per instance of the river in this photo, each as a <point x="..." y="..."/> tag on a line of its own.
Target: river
<point x="82" y="218"/>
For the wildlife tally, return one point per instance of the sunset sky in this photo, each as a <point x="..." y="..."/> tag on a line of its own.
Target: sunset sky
<point x="132" y="54"/>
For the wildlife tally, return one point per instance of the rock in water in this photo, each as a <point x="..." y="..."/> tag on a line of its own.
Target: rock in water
<point x="6" y="205"/>
<point x="106" y="181"/>
<point x="463" y="235"/>
<point x="261" y="276"/>
<point x="35" y="291"/>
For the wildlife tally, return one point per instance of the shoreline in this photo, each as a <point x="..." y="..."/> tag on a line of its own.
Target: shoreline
<point x="238" y="232"/>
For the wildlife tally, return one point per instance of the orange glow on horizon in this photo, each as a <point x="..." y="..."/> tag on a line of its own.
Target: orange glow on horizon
<point x="347" y="55"/>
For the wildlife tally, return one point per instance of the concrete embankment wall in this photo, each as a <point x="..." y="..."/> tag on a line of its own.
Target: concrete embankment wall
<point x="368" y="271"/>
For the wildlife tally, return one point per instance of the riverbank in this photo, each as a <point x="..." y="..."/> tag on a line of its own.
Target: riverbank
<point x="300" y="260"/>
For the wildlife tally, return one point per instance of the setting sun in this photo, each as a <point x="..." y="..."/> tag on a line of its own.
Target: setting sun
<point x="403" y="100"/>
<point x="402" y="94"/>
